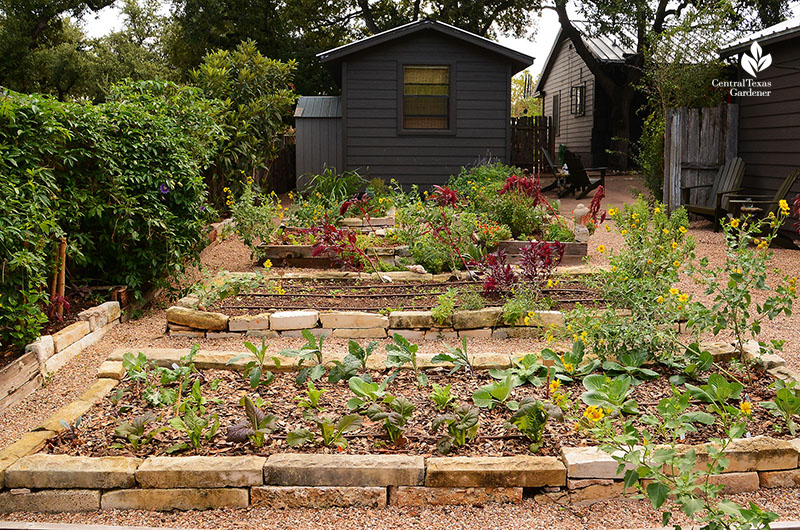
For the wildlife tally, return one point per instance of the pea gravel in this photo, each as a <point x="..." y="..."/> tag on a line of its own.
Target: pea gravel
<point x="149" y="331"/>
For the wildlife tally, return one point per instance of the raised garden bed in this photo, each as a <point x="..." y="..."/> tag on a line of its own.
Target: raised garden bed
<point x="73" y="472"/>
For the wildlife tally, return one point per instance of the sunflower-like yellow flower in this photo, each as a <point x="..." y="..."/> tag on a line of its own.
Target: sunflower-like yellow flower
<point x="674" y="292"/>
<point x="746" y="407"/>
<point x="734" y="223"/>
<point x="683" y="297"/>
<point x="593" y="413"/>
<point x="601" y="249"/>
<point x="555" y="384"/>
<point x="624" y="232"/>
<point x="784" y="206"/>
<point x="665" y="230"/>
<point x="657" y="210"/>
<point x="682" y="229"/>
<point x="674" y="245"/>
<point x="612" y="212"/>
<point x="676" y="264"/>
<point x="660" y="299"/>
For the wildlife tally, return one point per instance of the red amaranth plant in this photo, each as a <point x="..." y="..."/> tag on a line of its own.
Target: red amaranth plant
<point x="444" y="196"/>
<point x="362" y="203"/>
<point x="528" y="186"/>
<point x="796" y="212"/>
<point x="339" y="245"/>
<point x="538" y="260"/>
<point x="500" y="277"/>
<point x="594" y="214"/>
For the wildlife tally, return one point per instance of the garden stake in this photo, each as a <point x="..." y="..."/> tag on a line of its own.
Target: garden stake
<point x="547" y="363"/>
<point x="62" y="260"/>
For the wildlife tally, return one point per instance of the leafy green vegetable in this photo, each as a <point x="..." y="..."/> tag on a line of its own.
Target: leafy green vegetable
<point x="530" y="419"/>
<point x="462" y="426"/>
<point x="457" y="356"/>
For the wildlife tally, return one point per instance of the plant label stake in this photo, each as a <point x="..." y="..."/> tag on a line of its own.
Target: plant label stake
<point x="548" y="363"/>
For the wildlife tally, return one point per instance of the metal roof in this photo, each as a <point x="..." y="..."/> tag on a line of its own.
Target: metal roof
<point x="520" y="60"/>
<point x="785" y="29"/>
<point x="319" y="107"/>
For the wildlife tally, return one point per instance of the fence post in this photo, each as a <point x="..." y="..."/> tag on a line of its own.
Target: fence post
<point x="672" y="159"/>
<point x="732" y="140"/>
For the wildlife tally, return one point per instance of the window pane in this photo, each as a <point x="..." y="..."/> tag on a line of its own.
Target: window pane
<point x="426" y="97"/>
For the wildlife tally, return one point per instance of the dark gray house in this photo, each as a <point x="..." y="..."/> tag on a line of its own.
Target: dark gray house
<point x="769" y="124"/>
<point x="418" y="102"/>
<point x="579" y="109"/>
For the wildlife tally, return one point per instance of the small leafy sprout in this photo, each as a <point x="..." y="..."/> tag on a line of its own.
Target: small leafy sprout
<point x="354" y="361"/>
<point x="367" y="392"/>
<point x="135" y="431"/>
<point x="179" y="371"/>
<point x="155" y="396"/>
<point x="255" y="428"/>
<point x="136" y="367"/>
<point x="330" y="433"/>
<point x="569" y="365"/>
<point x="496" y="393"/>
<point x="462" y="426"/>
<point x="609" y="394"/>
<point x="196" y="427"/>
<point x="442" y="397"/>
<point x="116" y="400"/>
<point x="786" y="404"/>
<point x="530" y="419"/>
<point x="524" y="370"/>
<point x="631" y="364"/>
<point x="457" y="356"/>
<point x="312" y="352"/>
<point x="254" y="370"/>
<point x="310" y="400"/>
<point x="196" y="400"/>
<point x="400" y="353"/>
<point x="71" y="430"/>
<point x="394" y="420"/>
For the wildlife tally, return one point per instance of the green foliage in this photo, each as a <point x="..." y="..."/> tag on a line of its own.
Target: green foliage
<point x="458" y="357"/>
<point x="255" y="215"/>
<point x="254" y="370"/>
<point x="368" y="393"/>
<point x="255" y="428"/>
<point x="258" y="97"/>
<point x="530" y="419"/>
<point x="196" y="427"/>
<point x="462" y="426"/>
<point x="471" y="300"/>
<point x="395" y="419"/>
<point x="136" y="433"/>
<point x="331" y="433"/>
<point x="222" y="285"/>
<point x="570" y="364"/>
<point x="786" y="404"/>
<point x="442" y="397"/>
<point x="496" y="393"/>
<point x="355" y="360"/>
<point x="333" y="188"/>
<point x="524" y="300"/>
<point x="526" y="369"/>
<point x="310" y="351"/>
<point x="310" y="400"/>
<point x="610" y="394"/>
<point x="631" y="364"/>
<point x="559" y="230"/>
<point x="136" y="366"/>
<point x="445" y="306"/>
<point x="400" y="353"/>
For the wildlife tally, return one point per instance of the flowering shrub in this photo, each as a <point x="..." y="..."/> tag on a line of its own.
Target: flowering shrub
<point x="640" y="281"/>
<point x="255" y="215"/>
<point x="491" y="233"/>
<point x="743" y="274"/>
<point x="341" y="246"/>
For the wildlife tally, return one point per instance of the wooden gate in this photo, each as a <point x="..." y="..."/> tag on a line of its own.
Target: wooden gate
<point x="696" y="143"/>
<point x="528" y="135"/>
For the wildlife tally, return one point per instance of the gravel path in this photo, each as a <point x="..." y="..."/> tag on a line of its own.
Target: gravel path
<point x="148" y="331"/>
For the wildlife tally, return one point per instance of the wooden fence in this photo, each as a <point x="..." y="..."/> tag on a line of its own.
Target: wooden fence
<point x="528" y="135"/>
<point x="696" y="143"/>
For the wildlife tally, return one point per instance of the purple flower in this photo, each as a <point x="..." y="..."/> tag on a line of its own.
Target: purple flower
<point x="164" y="189"/>
<point x="203" y="208"/>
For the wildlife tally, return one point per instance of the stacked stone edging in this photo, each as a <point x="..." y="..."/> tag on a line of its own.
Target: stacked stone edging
<point x="48" y="353"/>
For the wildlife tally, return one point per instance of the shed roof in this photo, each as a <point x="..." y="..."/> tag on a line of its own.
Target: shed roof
<point x="519" y="60"/>
<point x="785" y="30"/>
<point x="319" y="107"/>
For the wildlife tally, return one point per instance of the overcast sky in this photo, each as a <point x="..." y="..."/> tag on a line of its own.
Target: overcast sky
<point x="109" y="19"/>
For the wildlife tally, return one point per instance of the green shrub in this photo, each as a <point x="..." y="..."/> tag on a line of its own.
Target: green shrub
<point x="122" y="181"/>
<point x="256" y="216"/>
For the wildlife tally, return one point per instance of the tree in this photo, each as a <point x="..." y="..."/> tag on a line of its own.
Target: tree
<point x="635" y="23"/>
<point x="522" y="100"/>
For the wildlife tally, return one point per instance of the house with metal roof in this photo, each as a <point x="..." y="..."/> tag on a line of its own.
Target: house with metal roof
<point x="580" y="110"/>
<point x="417" y="103"/>
<point x="767" y="90"/>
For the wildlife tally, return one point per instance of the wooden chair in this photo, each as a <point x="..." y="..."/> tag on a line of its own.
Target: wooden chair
<point x="768" y="203"/>
<point x="727" y="182"/>
<point x="579" y="179"/>
<point x="551" y="168"/>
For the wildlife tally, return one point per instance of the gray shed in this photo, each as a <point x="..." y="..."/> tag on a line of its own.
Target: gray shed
<point x="418" y="102"/>
<point x="318" y="124"/>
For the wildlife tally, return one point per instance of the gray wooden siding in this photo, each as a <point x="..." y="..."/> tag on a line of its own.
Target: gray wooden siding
<point x="769" y="127"/>
<point x="370" y="95"/>
<point x="319" y="142"/>
<point x="568" y="70"/>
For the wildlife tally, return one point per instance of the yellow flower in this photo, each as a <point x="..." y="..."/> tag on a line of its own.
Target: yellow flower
<point x="660" y="299"/>
<point x="674" y="244"/>
<point x="593" y="413"/>
<point x="612" y="212"/>
<point x="527" y="321"/>
<point x="549" y="283"/>
<point x="555" y="384"/>
<point x="624" y="232"/>
<point x="635" y="216"/>
<point x="569" y="367"/>
<point x="771" y="215"/>
<point x="608" y="228"/>
<point x="684" y="297"/>
<point x="649" y="262"/>
<point x="746" y="407"/>
<point x="665" y="230"/>
<point x="784" y="206"/>
<point x="674" y="291"/>
<point x="657" y="210"/>
<point x="601" y="249"/>
<point x="735" y="223"/>
<point x="676" y="263"/>
<point x="682" y="229"/>
<point x="267" y="264"/>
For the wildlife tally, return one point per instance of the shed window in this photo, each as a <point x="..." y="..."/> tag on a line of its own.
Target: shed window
<point x="426" y="97"/>
<point x="577" y="100"/>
